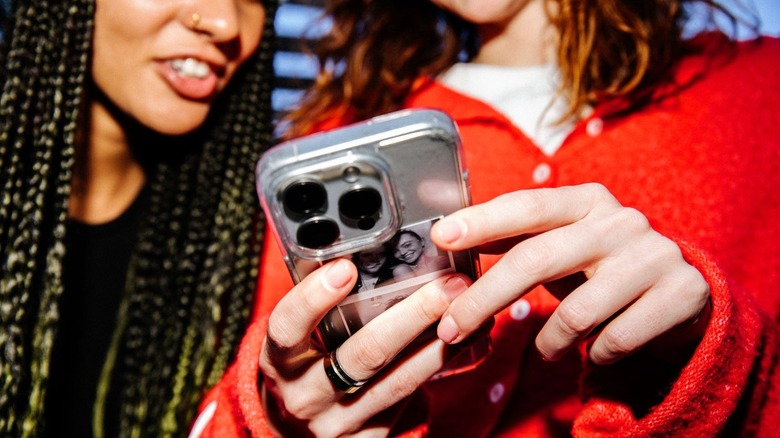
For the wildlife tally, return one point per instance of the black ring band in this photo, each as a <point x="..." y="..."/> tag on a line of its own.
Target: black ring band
<point x="340" y="379"/>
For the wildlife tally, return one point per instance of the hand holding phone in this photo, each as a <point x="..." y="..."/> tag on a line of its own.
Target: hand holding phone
<point x="352" y="211"/>
<point x="298" y="397"/>
<point x="369" y="192"/>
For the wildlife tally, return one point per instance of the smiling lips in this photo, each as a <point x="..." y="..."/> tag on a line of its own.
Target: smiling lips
<point x="407" y="256"/>
<point x="190" y="77"/>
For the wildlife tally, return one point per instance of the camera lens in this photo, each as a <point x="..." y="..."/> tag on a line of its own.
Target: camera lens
<point x="303" y="198"/>
<point x="317" y="233"/>
<point x="360" y="208"/>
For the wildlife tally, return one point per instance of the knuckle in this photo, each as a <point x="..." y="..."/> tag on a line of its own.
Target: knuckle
<point x="426" y="314"/>
<point x="698" y="284"/>
<point x="464" y="309"/>
<point x="574" y="319"/>
<point x="618" y="342"/>
<point x="668" y="250"/>
<point x="531" y="204"/>
<point x="327" y="428"/>
<point x="428" y="311"/>
<point x="531" y="260"/>
<point x="599" y="191"/>
<point x="631" y="219"/>
<point x="403" y="383"/>
<point x="299" y="406"/>
<point x="369" y="356"/>
<point x="694" y="287"/>
<point x="535" y="204"/>
<point x="278" y="339"/>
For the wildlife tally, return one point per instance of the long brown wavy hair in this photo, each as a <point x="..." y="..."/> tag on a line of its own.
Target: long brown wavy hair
<point x="193" y="271"/>
<point x="377" y="49"/>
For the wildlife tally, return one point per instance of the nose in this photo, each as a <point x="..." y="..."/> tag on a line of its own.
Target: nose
<point x="219" y="19"/>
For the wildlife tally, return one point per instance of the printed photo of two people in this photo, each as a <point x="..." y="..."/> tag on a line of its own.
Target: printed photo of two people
<point x="392" y="272"/>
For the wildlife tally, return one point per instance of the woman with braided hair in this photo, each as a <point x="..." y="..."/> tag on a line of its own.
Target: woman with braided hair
<point x="128" y="220"/>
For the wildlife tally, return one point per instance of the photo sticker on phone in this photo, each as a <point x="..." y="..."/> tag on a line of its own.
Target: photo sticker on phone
<point x="391" y="272"/>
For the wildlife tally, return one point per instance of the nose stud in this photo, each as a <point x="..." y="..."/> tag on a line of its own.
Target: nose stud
<point x="195" y="20"/>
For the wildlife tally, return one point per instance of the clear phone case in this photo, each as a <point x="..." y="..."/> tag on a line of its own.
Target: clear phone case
<point x="370" y="192"/>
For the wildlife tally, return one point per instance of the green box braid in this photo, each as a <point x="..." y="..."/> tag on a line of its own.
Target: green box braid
<point x="193" y="272"/>
<point x="44" y="64"/>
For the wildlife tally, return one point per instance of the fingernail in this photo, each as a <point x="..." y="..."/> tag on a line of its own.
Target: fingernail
<point x="448" y="331"/>
<point x="337" y="275"/>
<point x="450" y="230"/>
<point x="454" y="287"/>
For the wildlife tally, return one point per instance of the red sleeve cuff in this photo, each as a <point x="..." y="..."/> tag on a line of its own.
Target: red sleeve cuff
<point x="232" y="408"/>
<point x="639" y="396"/>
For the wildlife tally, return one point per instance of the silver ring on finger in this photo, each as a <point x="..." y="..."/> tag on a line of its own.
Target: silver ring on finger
<point x="338" y="377"/>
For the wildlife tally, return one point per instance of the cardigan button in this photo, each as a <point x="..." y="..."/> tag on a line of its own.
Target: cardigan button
<point x="496" y="392"/>
<point x="541" y="173"/>
<point x="594" y="127"/>
<point x="520" y="309"/>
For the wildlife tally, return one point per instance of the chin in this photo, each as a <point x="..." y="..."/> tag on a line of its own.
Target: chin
<point x="177" y="131"/>
<point x="175" y="127"/>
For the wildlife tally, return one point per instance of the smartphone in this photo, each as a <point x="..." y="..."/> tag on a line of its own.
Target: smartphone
<point x="369" y="192"/>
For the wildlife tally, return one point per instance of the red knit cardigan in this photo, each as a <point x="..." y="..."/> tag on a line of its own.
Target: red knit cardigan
<point x="701" y="163"/>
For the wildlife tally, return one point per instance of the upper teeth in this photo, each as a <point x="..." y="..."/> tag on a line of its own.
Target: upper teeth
<point x="191" y="67"/>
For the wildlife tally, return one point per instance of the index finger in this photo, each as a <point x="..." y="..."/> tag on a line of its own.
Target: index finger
<point x="297" y="314"/>
<point x="518" y="213"/>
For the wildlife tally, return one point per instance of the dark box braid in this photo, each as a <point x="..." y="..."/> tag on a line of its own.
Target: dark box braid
<point x="193" y="273"/>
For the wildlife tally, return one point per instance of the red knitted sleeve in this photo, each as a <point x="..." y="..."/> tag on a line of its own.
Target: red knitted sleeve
<point x="729" y="384"/>
<point x="232" y="408"/>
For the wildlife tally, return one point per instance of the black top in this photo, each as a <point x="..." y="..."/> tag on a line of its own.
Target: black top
<point x="94" y="274"/>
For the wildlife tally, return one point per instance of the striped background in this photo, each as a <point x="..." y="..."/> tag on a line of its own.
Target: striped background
<point x="297" y="18"/>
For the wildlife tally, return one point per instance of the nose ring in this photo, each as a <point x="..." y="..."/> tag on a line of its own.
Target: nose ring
<point x="195" y="20"/>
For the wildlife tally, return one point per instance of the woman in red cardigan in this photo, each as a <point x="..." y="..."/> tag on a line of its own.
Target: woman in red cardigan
<point x="626" y="207"/>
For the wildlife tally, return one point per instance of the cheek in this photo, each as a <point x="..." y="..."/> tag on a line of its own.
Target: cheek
<point x="110" y="73"/>
<point x="251" y="33"/>
<point x="250" y="41"/>
<point x="104" y="43"/>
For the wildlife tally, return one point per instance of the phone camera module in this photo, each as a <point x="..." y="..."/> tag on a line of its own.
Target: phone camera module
<point x="360" y="207"/>
<point x="304" y="198"/>
<point x="317" y="232"/>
